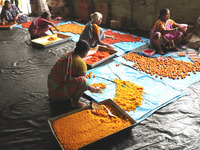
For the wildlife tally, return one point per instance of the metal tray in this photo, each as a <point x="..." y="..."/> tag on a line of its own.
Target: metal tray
<point x="40" y="42"/>
<point x="102" y="48"/>
<point x="7" y="26"/>
<point x="105" y="102"/>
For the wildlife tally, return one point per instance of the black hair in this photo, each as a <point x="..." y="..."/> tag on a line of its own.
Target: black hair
<point x="6" y="2"/>
<point x="163" y="12"/>
<point x="45" y="15"/>
<point x="81" y="47"/>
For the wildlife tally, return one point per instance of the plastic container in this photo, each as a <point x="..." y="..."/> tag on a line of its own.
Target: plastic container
<point x="184" y="27"/>
<point x="149" y="52"/>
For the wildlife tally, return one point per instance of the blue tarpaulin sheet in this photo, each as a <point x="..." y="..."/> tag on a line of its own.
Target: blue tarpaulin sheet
<point x="180" y="84"/>
<point x="157" y="94"/>
<point x="121" y="47"/>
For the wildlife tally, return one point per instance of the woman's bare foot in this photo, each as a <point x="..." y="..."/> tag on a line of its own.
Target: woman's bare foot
<point x="94" y="89"/>
<point x="78" y="104"/>
<point x="160" y="52"/>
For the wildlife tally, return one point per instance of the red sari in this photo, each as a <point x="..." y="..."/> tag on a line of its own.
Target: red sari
<point x="38" y="27"/>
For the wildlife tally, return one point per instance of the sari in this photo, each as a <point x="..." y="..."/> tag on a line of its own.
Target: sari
<point x="167" y="38"/>
<point x="38" y="27"/>
<point x="61" y="84"/>
<point x="11" y="13"/>
<point x="89" y="34"/>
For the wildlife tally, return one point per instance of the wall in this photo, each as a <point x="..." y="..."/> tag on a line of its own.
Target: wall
<point x="145" y="12"/>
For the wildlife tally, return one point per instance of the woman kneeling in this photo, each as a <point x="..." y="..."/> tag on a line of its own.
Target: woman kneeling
<point x="67" y="79"/>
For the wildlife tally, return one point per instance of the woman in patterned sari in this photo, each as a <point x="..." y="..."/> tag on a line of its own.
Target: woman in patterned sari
<point x="92" y="33"/>
<point x="67" y="79"/>
<point x="11" y="14"/>
<point x="166" y="32"/>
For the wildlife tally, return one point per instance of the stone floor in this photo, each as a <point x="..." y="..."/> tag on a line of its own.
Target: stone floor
<point x="25" y="108"/>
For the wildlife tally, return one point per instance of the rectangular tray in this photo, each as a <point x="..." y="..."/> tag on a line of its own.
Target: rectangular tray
<point x="108" y="101"/>
<point x="40" y="42"/>
<point x="7" y="26"/>
<point x="102" y="48"/>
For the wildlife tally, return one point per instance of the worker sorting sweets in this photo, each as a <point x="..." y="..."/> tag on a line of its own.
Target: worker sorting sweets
<point x="92" y="33"/>
<point x="11" y="14"/>
<point x="40" y="25"/>
<point x="67" y="79"/>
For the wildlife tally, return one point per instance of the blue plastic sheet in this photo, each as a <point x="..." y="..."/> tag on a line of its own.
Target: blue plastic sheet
<point x="20" y="26"/>
<point x="121" y="47"/>
<point x="180" y="84"/>
<point x="157" y="94"/>
<point x="128" y="46"/>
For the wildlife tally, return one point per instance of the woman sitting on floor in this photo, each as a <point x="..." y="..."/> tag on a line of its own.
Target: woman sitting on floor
<point x="166" y="33"/>
<point x="92" y="33"/>
<point x="11" y="14"/>
<point x="40" y="25"/>
<point x="67" y="79"/>
<point x="193" y="37"/>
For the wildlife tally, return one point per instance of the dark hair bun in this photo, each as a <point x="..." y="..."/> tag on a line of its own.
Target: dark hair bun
<point x="82" y="46"/>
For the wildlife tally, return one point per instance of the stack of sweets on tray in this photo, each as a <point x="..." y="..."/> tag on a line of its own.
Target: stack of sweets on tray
<point x="193" y="56"/>
<point x="182" y="54"/>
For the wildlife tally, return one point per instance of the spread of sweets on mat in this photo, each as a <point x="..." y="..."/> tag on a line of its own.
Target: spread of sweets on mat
<point x="27" y="24"/>
<point x="118" y="37"/>
<point x="70" y="27"/>
<point x="163" y="66"/>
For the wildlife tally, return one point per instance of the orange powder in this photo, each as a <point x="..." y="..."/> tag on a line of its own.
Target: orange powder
<point x="128" y="95"/>
<point x="79" y="129"/>
<point x="52" y="38"/>
<point x="70" y="27"/>
<point x="47" y="43"/>
<point x="99" y="55"/>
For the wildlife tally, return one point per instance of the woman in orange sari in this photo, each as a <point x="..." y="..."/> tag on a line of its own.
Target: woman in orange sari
<point x="67" y="79"/>
<point x="166" y="32"/>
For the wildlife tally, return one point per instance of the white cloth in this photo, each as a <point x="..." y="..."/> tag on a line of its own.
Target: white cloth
<point x="43" y="7"/>
<point x="52" y="3"/>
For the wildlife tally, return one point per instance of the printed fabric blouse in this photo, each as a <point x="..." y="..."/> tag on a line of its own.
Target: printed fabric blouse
<point x="160" y="25"/>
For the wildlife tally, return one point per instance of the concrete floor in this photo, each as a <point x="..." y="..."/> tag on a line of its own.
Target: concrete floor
<point x="25" y="108"/>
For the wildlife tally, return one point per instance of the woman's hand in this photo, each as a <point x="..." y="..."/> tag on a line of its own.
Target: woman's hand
<point x="57" y="29"/>
<point x="94" y="89"/>
<point x="15" y="18"/>
<point x="112" y="37"/>
<point x="108" y="46"/>
<point x="3" y="23"/>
